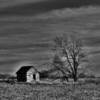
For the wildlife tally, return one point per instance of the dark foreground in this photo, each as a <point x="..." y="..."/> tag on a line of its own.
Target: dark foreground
<point x="49" y="92"/>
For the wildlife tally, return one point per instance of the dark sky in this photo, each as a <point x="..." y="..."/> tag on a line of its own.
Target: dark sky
<point x="32" y="8"/>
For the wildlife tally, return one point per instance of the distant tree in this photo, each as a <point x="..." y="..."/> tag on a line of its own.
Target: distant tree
<point x="91" y="76"/>
<point x="68" y="55"/>
<point x="82" y="75"/>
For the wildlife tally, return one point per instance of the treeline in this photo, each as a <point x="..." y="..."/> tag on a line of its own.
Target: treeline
<point x="7" y="78"/>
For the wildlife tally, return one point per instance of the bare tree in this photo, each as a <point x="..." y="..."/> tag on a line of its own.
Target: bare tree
<point x="68" y="55"/>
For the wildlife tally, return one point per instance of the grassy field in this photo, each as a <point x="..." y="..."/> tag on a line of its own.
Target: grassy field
<point x="49" y="92"/>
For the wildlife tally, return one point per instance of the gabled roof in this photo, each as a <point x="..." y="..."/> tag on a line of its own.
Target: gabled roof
<point x="24" y="69"/>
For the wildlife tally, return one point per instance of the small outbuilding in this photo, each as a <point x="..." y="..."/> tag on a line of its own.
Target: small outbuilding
<point x="28" y="74"/>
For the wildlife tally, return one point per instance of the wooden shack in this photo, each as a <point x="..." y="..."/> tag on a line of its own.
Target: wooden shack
<point x="28" y="74"/>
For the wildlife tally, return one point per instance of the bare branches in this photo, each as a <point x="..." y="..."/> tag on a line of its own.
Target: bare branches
<point x="69" y="47"/>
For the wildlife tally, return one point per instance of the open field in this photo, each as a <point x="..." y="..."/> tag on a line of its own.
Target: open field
<point x="22" y="91"/>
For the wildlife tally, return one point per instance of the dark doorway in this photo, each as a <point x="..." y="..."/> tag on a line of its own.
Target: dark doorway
<point x="34" y="76"/>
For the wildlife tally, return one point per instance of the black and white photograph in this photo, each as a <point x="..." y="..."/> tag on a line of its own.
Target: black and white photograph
<point x="49" y="49"/>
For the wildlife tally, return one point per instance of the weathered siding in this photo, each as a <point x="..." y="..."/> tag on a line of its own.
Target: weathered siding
<point x="27" y="74"/>
<point x="21" y="78"/>
<point x="37" y="77"/>
<point x="32" y="75"/>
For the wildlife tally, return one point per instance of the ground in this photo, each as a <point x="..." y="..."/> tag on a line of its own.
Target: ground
<point x="23" y="91"/>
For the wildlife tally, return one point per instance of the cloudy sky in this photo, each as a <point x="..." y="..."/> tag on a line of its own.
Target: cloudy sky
<point x="27" y="28"/>
<point x="31" y="7"/>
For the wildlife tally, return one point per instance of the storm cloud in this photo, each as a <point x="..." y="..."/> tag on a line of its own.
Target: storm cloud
<point x="33" y="8"/>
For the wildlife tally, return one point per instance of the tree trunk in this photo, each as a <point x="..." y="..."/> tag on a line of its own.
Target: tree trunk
<point x="66" y="78"/>
<point x="75" y="78"/>
<point x="75" y="71"/>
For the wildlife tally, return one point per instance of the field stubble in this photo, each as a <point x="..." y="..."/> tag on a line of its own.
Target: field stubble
<point x="49" y="92"/>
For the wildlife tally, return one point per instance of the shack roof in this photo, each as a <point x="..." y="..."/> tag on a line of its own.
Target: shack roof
<point x="24" y="69"/>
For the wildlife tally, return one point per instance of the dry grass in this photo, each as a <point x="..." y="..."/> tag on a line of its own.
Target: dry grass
<point x="22" y="91"/>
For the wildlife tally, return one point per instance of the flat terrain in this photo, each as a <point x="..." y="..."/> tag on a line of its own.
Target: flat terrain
<point x="49" y="92"/>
